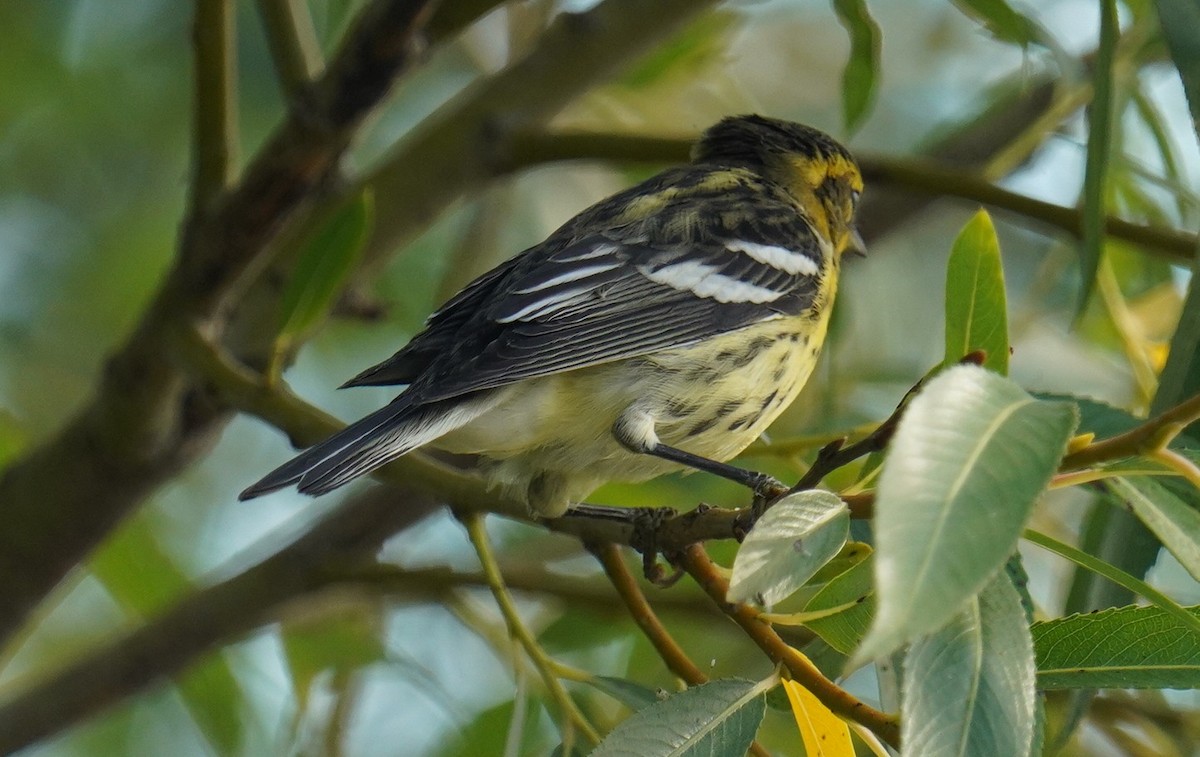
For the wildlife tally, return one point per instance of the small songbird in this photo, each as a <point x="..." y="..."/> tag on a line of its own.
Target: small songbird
<point x="664" y="327"/>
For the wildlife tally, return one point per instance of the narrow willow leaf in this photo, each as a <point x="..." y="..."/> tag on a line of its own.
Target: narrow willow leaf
<point x="862" y="69"/>
<point x="789" y="544"/>
<point x="852" y="591"/>
<point x="1002" y="21"/>
<point x="969" y="688"/>
<point x="323" y="266"/>
<point x="976" y="310"/>
<point x="970" y="458"/>
<point x="1119" y="648"/>
<point x="1174" y="522"/>
<point x="718" y="718"/>
<point x="1134" y="585"/>
<point x="1100" y="123"/>
<point x="824" y="734"/>
<point x="1180" y="19"/>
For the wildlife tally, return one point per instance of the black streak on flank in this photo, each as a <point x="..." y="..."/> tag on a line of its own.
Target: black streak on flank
<point x="768" y="400"/>
<point x="703" y="426"/>
<point x="743" y="422"/>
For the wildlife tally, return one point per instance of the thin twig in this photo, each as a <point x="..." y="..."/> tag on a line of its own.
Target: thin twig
<point x="643" y="614"/>
<point x="215" y="130"/>
<point x="476" y="531"/>
<point x="697" y="563"/>
<point x="924" y="175"/>
<point x="1151" y="435"/>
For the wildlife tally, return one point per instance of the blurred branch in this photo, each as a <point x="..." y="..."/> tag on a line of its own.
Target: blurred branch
<point x="571" y="715"/>
<point x="215" y="131"/>
<point x="145" y="422"/>
<point x="533" y="148"/>
<point x="293" y="42"/>
<point x="458" y="148"/>
<point x="201" y="621"/>
<point x="697" y="563"/>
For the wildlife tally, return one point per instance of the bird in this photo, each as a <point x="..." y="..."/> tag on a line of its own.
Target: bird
<point x="661" y="329"/>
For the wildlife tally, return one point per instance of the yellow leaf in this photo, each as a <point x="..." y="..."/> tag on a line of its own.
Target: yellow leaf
<point x="824" y="734"/>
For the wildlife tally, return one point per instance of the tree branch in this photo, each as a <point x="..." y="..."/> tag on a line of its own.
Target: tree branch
<point x="644" y="616"/>
<point x="937" y="180"/>
<point x="215" y="131"/>
<point x="697" y="563"/>
<point x="293" y="44"/>
<point x="145" y="422"/>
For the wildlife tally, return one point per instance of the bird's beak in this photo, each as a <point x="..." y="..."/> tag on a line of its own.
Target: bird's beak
<point x="856" y="244"/>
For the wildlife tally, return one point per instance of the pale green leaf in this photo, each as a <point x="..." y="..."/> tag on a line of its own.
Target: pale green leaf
<point x="1180" y="21"/>
<point x="1100" y="126"/>
<point x="787" y="545"/>
<point x="969" y="688"/>
<point x="1002" y="20"/>
<point x="851" y="591"/>
<point x="718" y="718"/>
<point x="1119" y="648"/>
<point x="976" y="310"/>
<point x="971" y="456"/>
<point x="1174" y="522"/>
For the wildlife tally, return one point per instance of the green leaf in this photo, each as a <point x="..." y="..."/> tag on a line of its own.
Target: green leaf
<point x="969" y="688"/>
<point x="971" y="456"/>
<point x="845" y="629"/>
<point x="12" y="438"/>
<point x="713" y="719"/>
<point x="1120" y="648"/>
<point x="976" y="310"/>
<point x="789" y="544"/>
<point x="632" y="694"/>
<point x="862" y="69"/>
<point x="1174" y="522"/>
<point x="1100" y="124"/>
<point x="1002" y="21"/>
<point x="341" y="643"/>
<point x="1180" y="19"/>
<point x="702" y="44"/>
<point x="145" y="579"/>
<point x="323" y="266"/>
<point x="1116" y="575"/>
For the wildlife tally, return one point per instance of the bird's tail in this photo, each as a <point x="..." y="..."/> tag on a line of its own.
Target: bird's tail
<point x="367" y="444"/>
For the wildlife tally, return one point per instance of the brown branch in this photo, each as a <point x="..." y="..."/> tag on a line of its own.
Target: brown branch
<point x="199" y="622"/>
<point x="1150" y="435"/>
<point x="644" y="616"/>
<point x="697" y="563"/>
<point x="145" y="422"/>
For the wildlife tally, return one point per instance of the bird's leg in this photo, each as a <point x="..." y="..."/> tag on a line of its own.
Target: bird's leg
<point x="635" y="432"/>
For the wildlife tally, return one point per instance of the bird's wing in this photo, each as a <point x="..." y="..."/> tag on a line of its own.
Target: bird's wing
<point x="439" y="333"/>
<point x="623" y="292"/>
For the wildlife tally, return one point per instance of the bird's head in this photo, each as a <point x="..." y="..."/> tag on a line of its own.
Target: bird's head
<point x="814" y="168"/>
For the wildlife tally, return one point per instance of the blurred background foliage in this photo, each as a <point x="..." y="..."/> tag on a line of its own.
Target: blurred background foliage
<point x="94" y="168"/>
